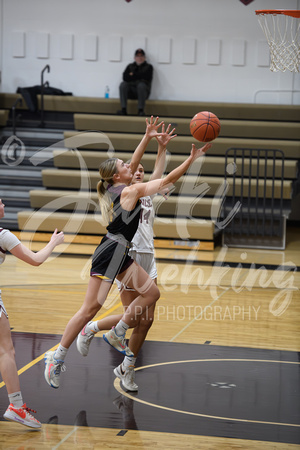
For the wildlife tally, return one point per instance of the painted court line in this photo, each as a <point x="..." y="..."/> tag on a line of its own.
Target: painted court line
<point x="207" y="306"/>
<point x="196" y="318"/>
<point x="64" y="439"/>
<point x="117" y="385"/>
<point x="39" y="358"/>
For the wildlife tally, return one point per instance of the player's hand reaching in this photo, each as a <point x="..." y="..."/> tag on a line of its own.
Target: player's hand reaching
<point x="165" y="136"/>
<point x="57" y="238"/>
<point x="197" y="152"/>
<point x="152" y="127"/>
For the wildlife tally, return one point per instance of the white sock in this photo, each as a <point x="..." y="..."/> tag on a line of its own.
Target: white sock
<point x="128" y="361"/>
<point x="121" y="328"/>
<point x="93" y="326"/>
<point x="60" y="353"/>
<point x="16" y="399"/>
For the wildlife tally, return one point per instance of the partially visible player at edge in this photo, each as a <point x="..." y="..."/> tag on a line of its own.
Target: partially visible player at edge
<point x="17" y="410"/>
<point x="142" y="251"/>
<point x="120" y="204"/>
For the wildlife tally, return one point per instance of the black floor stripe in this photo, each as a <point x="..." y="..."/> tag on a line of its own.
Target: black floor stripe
<point x="209" y="390"/>
<point x="230" y="264"/>
<point x="122" y="433"/>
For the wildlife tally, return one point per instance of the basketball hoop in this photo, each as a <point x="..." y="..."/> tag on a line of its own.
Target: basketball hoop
<point x="282" y="30"/>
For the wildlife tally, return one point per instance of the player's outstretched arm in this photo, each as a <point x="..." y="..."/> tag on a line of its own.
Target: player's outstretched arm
<point x="152" y="127"/>
<point x="132" y="193"/>
<point x="163" y="141"/>
<point x="36" y="259"/>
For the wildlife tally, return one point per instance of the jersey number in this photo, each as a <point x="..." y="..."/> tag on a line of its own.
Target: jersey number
<point x="145" y="217"/>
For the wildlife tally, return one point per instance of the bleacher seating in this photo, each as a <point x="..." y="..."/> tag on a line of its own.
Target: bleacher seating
<point x="3" y="117"/>
<point x="69" y="198"/>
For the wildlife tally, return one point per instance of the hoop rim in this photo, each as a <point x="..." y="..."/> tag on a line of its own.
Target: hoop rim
<point x="287" y="12"/>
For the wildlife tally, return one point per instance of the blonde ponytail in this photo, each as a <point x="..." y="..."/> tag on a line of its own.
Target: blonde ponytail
<point x="107" y="170"/>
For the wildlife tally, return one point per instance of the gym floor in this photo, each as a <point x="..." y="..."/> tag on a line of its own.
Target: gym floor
<point x="219" y="369"/>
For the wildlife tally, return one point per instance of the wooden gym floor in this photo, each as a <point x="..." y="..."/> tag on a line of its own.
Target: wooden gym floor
<point x="220" y="367"/>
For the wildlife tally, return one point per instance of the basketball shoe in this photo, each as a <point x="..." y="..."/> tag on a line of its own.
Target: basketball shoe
<point x="84" y="340"/>
<point x="118" y="342"/>
<point x="22" y="415"/>
<point x="53" y="367"/>
<point x="127" y="377"/>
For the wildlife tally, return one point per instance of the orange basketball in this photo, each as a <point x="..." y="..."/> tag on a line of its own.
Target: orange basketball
<point x="205" y="126"/>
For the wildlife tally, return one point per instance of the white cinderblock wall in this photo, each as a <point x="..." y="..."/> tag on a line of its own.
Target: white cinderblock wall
<point x="201" y="50"/>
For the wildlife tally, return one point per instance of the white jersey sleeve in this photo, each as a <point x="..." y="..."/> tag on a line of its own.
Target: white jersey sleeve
<point x="143" y="239"/>
<point x="7" y="242"/>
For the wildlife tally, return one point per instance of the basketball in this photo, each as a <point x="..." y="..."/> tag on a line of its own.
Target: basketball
<point x="205" y="126"/>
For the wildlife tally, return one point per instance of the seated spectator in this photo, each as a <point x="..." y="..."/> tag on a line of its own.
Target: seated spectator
<point x="136" y="84"/>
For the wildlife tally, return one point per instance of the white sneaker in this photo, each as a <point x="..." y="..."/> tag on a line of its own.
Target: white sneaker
<point x="53" y="367"/>
<point x="22" y="416"/>
<point x="118" y="342"/>
<point x="127" y="377"/>
<point x="84" y="340"/>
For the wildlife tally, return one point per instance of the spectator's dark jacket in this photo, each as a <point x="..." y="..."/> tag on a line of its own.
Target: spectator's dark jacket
<point x="142" y="72"/>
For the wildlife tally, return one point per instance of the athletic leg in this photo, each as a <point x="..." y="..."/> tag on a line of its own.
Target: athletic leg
<point x="137" y="278"/>
<point x="95" y="297"/>
<point x="145" y="293"/>
<point x="125" y="371"/>
<point x="140" y="332"/>
<point x="96" y="294"/>
<point x="8" y="367"/>
<point x="17" y="410"/>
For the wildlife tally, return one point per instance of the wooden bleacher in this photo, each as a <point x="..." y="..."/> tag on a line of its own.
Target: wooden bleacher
<point x="168" y="108"/>
<point x="256" y="129"/>
<point x="214" y="165"/>
<point x="3" y="117"/>
<point x="98" y="130"/>
<point x="7" y="101"/>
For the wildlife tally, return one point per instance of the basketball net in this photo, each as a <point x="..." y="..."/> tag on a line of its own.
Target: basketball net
<point x="282" y="30"/>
